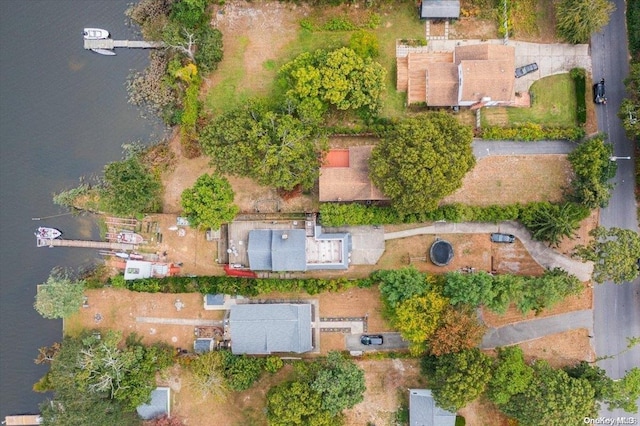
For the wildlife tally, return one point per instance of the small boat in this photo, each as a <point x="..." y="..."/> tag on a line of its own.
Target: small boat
<point x="105" y="52"/>
<point x="95" y="34"/>
<point x="47" y="233"/>
<point x="128" y="237"/>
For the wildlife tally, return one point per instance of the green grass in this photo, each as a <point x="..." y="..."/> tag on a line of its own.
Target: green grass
<point x="227" y="93"/>
<point x="554" y="104"/>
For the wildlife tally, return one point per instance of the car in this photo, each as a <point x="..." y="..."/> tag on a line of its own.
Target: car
<point x="598" y="93"/>
<point x="368" y="339"/>
<point x="497" y="237"/>
<point x="526" y="69"/>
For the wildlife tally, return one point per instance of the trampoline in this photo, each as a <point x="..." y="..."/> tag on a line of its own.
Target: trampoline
<point x="441" y="253"/>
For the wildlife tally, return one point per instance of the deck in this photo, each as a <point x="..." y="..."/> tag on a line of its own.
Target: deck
<point x="25" y="419"/>
<point x="110" y="44"/>
<point x="103" y="245"/>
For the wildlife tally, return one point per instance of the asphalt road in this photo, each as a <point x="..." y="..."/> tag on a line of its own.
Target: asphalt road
<point x="616" y="307"/>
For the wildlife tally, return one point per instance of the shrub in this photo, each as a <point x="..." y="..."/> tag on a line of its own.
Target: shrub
<point x="578" y="76"/>
<point x="532" y="132"/>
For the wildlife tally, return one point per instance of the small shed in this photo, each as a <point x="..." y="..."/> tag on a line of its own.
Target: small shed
<point x="423" y="410"/>
<point x="159" y="405"/>
<point x="440" y="9"/>
<point x="203" y="345"/>
<point x="441" y="252"/>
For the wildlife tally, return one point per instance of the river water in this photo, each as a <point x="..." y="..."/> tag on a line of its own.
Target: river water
<point x="63" y="115"/>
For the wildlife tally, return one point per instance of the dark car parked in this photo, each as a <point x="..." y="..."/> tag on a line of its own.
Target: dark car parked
<point x="524" y="70"/>
<point x="371" y="339"/>
<point x="497" y="237"/>
<point x="598" y="93"/>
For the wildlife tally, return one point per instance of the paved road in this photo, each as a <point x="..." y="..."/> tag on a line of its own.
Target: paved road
<point x="616" y="307"/>
<point x="483" y="148"/>
<point x="540" y="252"/>
<point x="533" y="329"/>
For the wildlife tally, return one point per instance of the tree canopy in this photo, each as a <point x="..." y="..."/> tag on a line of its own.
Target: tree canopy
<point x="59" y="296"/>
<point x="458" y="330"/>
<point x="615" y="253"/>
<point x="576" y="20"/>
<point x="629" y="111"/>
<point x="340" y="383"/>
<point x="209" y="202"/>
<point x="130" y="188"/>
<point x="553" y="222"/>
<point x="422" y="159"/>
<point x="274" y="148"/>
<point x="592" y="165"/>
<point x="340" y="78"/>
<point x="418" y="317"/>
<point x="398" y="285"/>
<point x="511" y="375"/>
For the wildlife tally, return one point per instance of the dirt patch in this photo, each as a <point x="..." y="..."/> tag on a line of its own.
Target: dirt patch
<point x="473" y="28"/>
<point x="483" y="412"/>
<point x="515" y="178"/>
<point x="561" y="349"/>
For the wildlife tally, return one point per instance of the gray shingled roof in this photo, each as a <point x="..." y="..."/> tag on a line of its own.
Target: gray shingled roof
<point x="423" y="410"/>
<point x="158" y="405"/>
<point x="277" y="250"/>
<point x="269" y="328"/>
<point x="440" y="9"/>
<point x="215" y="299"/>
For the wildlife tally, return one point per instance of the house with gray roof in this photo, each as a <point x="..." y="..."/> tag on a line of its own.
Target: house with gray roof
<point x="440" y="9"/>
<point x="297" y="250"/>
<point x="262" y="329"/>
<point x="159" y="405"/>
<point x="423" y="410"/>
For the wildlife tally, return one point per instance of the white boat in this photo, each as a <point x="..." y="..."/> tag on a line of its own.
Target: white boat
<point x="128" y="237"/>
<point x="105" y="52"/>
<point x="95" y="34"/>
<point x="47" y="233"/>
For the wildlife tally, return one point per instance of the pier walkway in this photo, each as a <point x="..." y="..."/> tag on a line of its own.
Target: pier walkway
<point x="110" y="44"/>
<point x="44" y="242"/>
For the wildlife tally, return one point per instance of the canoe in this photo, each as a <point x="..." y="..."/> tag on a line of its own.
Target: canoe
<point x="105" y="52"/>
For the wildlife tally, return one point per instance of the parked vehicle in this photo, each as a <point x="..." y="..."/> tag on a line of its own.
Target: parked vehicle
<point x="497" y="237"/>
<point x="367" y="339"/>
<point x="598" y="93"/>
<point x="526" y="69"/>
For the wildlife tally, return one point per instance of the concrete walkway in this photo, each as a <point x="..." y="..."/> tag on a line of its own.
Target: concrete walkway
<point x="484" y="148"/>
<point x="543" y="255"/>
<point x="533" y="329"/>
<point x="179" y="321"/>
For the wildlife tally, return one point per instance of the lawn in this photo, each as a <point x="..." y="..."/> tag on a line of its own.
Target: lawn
<point x="553" y="103"/>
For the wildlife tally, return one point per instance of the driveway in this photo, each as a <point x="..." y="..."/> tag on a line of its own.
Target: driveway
<point x="390" y="341"/>
<point x="483" y="148"/>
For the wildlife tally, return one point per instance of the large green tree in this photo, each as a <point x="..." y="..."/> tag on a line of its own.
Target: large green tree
<point x="398" y="285"/>
<point x="60" y="296"/>
<point x="276" y="149"/>
<point x="553" y="222"/>
<point x="130" y="188"/>
<point x="511" y="375"/>
<point x="592" y="165"/>
<point x="209" y="202"/>
<point x="630" y="109"/>
<point x="418" y="317"/>
<point x="552" y="398"/>
<point x="340" y="383"/>
<point x="422" y="159"/>
<point x="615" y="253"/>
<point x="296" y="404"/>
<point x="340" y="78"/>
<point x="576" y="20"/>
<point x="457" y="378"/>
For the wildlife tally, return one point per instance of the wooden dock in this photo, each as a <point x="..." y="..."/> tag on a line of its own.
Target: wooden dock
<point x="110" y="44"/>
<point x="28" y="419"/>
<point x="103" y="245"/>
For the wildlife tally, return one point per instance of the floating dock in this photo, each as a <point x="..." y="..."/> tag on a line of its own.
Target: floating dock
<point x="110" y="44"/>
<point x="28" y="419"/>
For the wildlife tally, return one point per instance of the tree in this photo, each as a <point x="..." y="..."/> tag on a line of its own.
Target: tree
<point x="553" y="222"/>
<point x="421" y="160"/>
<point x="552" y="398"/>
<point x="241" y="371"/>
<point x="615" y="253"/>
<point x="511" y="375"/>
<point x="578" y="19"/>
<point x="59" y="296"/>
<point x="542" y="292"/>
<point x="629" y="111"/>
<point x="295" y="403"/>
<point x="130" y="188"/>
<point x="340" y="384"/>
<point x="276" y="149"/>
<point x="472" y="289"/>
<point x="398" y="285"/>
<point x="616" y="394"/>
<point x="417" y="319"/>
<point x="207" y="376"/>
<point x="457" y="378"/>
<point x="340" y="78"/>
<point x="459" y="329"/>
<point x="209" y="202"/>
<point x="592" y="165"/>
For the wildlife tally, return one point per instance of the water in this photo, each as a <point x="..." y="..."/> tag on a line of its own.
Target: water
<point x="63" y="115"/>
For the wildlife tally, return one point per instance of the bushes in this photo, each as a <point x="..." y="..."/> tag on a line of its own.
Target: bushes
<point x="532" y="132"/>
<point x="578" y="76"/>
<point x="504" y="11"/>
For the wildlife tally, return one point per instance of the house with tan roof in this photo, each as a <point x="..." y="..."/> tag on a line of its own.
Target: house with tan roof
<point x="473" y="75"/>
<point x="344" y="176"/>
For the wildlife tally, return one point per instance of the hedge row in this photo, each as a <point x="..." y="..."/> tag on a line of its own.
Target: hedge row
<point x="335" y="214"/>
<point x="532" y="132"/>
<point x="234" y="285"/>
<point x="579" y="79"/>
